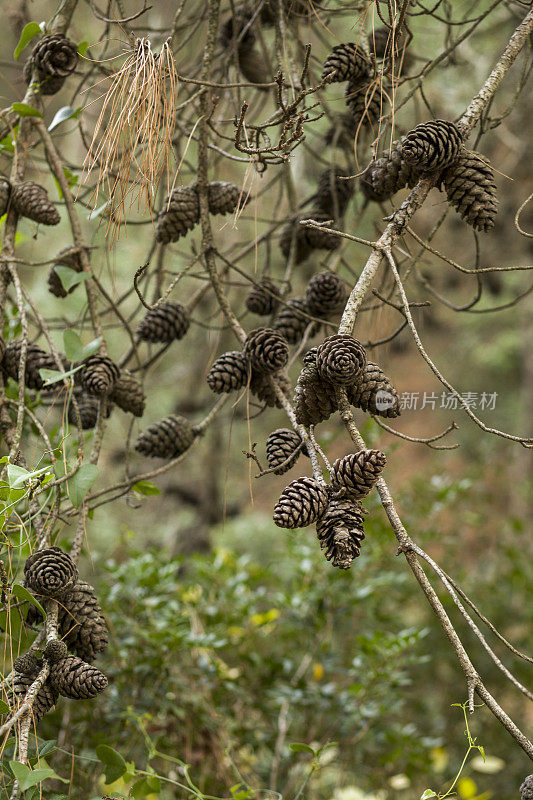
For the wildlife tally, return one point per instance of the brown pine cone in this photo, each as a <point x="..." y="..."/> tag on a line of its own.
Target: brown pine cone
<point x="263" y="297"/>
<point x="81" y="623"/>
<point x="526" y="788"/>
<point x="48" y="84"/>
<point x="301" y="503"/>
<point x="179" y="214"/>
<point x="99" y="375"/>
<point x="229" y="373"/>
<point x="325" y="294"/>
<point x="340" y="359"/>
<point x="314" y="399"/>
<point x="357" y="473"/>
<point x="267" y="350"/>
<point x="36" y="359"/>
<point x="168" y="438"/>
<point x="340" y="532"/>
<point x="374" y="393"/>
<point x="347" y="61"/>
<point x="471" y="190"/>
<point x="5" y="194"/>
<point x="225" y="197"/>
<point x="335" y="189"/>
<point x="292" y="320"/>
<point x="432" y="145"/>
<point x="261" y="387"/>
<point x="365" y="105"/>
<point x="31" y="200"/>
<point x="72" y="677"/>
<point x="26" y="664"/>
<point x="294" y="236"/>
<point x="54" y="651"/>
<point x="88" y="406"/>
<point x="238" y="29"/>
<point x="53" y="58"/>
<point x="319" y="239"/>
<point x="164" y="323"/>
<point x="65" y="258"/>
<point x="128" y="394"/>
<point x="44" y="701"/>
<point x="253" y="66"/>
<point x="283" y="448"/>
<point x="50" y="572"/>
<point x="387" y="175"/>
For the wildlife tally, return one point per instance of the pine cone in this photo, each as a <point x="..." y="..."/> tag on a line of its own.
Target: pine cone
<point x="26" y="664"/>
<point x="88" y="406"/>
<point x="283" y="448"/>
<point x="224" y="197"/>
<point x="54" y="651"/>
<point x="44" y="701"/>
<point x="81" y="623"/>
<point x="293" y="235"/>
<point x="365" y="105"/>
<point x="335" y="188"/>
<point x="31" y="200"/>
<point x="340" y="359"/>
<point x="54" y="58"/>
<point x="387" y="175"/>
<point x="5" y="194"/>
<point x="381" y="44"/>
<point x="72" y="677"/>
<point x="375" y="393"/>
<point x="267" y="350"/>
<point x="471" y="190"/>
<point x="325" y="294"/>
<point x="314" y="399"/>
<point x="128" y="394"/>
<point x="253" y="66"/>
<point x="238" y="29"/>
<point x="168" y="438"/>
<point x="99" y="375"/>
<point x="346" y="62"/>
<point x="432" y="145"/>
<point x="292" y="323"/>
<point x="526" y="789"/>
<point x="319" y="239"/>
<point x="340" y="532"/>
<point x="36" y="359"/>
<point x="65" y="258"/>
<point x="164" y="323"/>
<point x="50" y="572"/>
<point x="179" y="215"/>
<point x="263" y="297"/>
<point x="358" y="472"/>
<point x="301" y="503"/>
<point x="229" y="373"/>
<point x="260" y="387"/>
<point x="48" y="84"/>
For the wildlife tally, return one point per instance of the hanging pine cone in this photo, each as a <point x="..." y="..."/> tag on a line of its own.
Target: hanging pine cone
<point x="358" y="472"/>
<point x="81" y="623"/>
<point x="365" y="105"/>
<point x="261" y="387"/>
<point x="65" y="258"/>
<point x="31" y="200"/>
<point x="387" y="175"/>
<point x="50" y="572"/>
<point x="54" y="651"/>
<point x="36" y="359"/>
<point x="164" y="323"/>
<point x="179" y="215"/>
<point x="99" y="375"/>
<point x="314" y="399"/>
<point x="224" y="197"/>
<point x="294" y="236"/>
<point x="263" y="297"/>
<point x="526" y="789"/>
<point x="335" y="188"/>
<point x="432" y="145"/>
<point x="128" y="394"/>
<point x="340" y="532"/>
<point x="44" y="701"/>
<point x="88" y="406"/>
<point x="26" y="664"/>
<point x="238" y="29"/>
<point x="346" y="62"/>
<point x="5" y="194"/>
<point x="301" y="503"/>
<point x="54" y="58"/>
<point x="229" y="373"/>
<point x="471" y="190"/>
<point x="293" y="319"/>
<point x="340" y="359"/>
<point x="168" y="438"/>
<point x="319" y="239"/>
<point x="72" y="677"/>
<point x="267" y="350"/>
<point x="237" y="32"/>
<point x="283" y="448"/>
<point x="325" y="294"/>
<point x="253" y="66"/>
<point x="374" y="393"/>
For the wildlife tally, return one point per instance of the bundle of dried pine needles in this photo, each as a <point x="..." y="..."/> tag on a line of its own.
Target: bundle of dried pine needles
<point x="132" y="142"/>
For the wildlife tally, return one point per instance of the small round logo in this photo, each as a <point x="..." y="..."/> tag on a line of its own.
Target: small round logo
<point x="384" y="400"/>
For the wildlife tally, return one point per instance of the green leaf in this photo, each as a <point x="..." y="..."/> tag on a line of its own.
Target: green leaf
<point x="428" y="793"/>
<point x="82" y="48"/>
<point x="115" y="766"/>
<point x="73" y="346"/>
<point x="4" y="708"/>
<point x="69" y="277"/>
<point x="28" y="32"/>
<point x="24" y="110"/>
<point x="299" y="747"/>
<point x="145" y="487"/>
<point x="80" y="483"/>
<point x="22" y="593"/>
<point x="67" y="112"/>
<point x="16" y="475"/>
<point x="43" y="764"/>
<point x="27" y="777"/>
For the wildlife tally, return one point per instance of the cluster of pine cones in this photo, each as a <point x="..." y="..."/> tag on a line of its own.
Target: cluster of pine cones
<point x="336" y="507"/>
<point x="50" y="574"/>
<point x="181" y="209"/>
